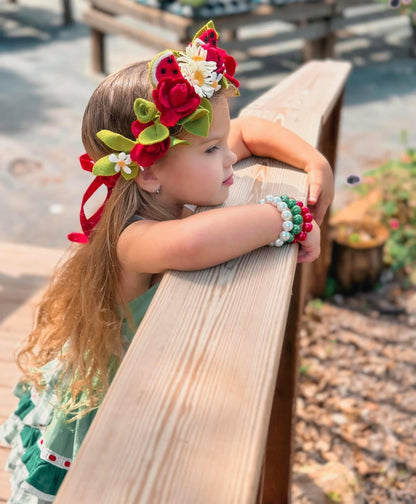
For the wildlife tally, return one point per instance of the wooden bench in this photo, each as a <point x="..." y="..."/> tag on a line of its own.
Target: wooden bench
<point x="202" y="408"/>
<point x="315" y="22"/>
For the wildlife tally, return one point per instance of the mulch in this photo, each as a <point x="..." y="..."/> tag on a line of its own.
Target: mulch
<point x="356" y="409"/>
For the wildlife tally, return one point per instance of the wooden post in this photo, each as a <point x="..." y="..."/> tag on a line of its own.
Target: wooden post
<point x="281" y="437"/>
<point x="317" y="272"/>
<point x="98" y="53"/>
<point x="67" y="7"/>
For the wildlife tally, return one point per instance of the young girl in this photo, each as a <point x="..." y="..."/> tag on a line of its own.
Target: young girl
<point x="159" y="136"/>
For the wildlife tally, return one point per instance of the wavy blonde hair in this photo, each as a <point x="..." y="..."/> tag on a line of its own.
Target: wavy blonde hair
<point x="79" y="318"/>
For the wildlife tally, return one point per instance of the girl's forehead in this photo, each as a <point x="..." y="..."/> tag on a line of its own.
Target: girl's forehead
<point x="220" y="115"/>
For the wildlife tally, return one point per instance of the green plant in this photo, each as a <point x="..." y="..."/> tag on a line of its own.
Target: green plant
<point x="395" y="182"/>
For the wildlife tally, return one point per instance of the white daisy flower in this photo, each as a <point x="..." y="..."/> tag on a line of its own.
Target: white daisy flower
<point x="196" y="70"/>
<point x="199" y="75"/>
<point x="193" y="52"/>
<point x="121" y="162"/>
<point x="215" y="84"/>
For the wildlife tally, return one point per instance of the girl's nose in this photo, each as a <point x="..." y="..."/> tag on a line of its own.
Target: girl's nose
<point x="231" y="158"/>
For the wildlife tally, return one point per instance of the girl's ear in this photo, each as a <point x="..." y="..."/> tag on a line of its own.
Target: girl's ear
<point x="148" y="180"/>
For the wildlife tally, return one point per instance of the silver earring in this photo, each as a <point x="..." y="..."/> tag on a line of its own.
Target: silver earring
<point x="157" y="190"/>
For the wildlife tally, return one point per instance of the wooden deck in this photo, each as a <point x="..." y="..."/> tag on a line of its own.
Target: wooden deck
<point x="24" y="271"/>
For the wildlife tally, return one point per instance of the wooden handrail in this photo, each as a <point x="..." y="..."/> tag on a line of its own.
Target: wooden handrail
<point x="186" y="419"/>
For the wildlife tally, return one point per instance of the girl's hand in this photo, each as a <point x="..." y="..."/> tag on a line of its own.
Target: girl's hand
<point x="321" y="186"/>
<point x="310" y="248"/>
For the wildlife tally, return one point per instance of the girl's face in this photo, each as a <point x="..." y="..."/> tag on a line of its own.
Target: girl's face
<point x="200" y="173"/>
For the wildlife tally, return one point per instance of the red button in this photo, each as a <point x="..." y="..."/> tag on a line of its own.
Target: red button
<point x="52" y="457"/>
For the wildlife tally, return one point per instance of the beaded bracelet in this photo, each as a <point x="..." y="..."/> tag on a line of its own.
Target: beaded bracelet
<point x="297" y="219"/>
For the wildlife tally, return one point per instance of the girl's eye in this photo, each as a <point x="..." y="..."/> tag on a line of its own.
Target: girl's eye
<point x="212" y="149"/>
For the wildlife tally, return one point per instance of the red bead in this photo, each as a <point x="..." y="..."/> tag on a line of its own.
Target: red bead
<point x="301" y="236"/>
<point x="52" y="457"/>
<point x="41" y="441"/>
<point x="305" y="210"/>
<point x="307" y="218"/>
<point x="307" y="227"/>
<point x="67" y="463"/>
<point x="299" y="203"/>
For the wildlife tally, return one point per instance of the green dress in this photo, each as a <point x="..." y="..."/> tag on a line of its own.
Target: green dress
<point x="43" y="442"/>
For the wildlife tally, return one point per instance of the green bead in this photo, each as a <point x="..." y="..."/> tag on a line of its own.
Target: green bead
<point x="291" y="203"/>
<point x="296" y="210"/>
<point x="291" y="238"/>
<point x="296" y="229"/>
<point x="284" y="198"/>
<point x="297" y="219"/>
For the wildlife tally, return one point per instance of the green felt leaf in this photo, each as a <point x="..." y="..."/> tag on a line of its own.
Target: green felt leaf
<point x="177" y="141"/>
<point x="104" y="167"/>
<point x="145" y="110"/>
<point x="205" y="103"/>
<point x="197" y="123"/>
<point x="115" y="141"/>
<point x="224" y="83"/>
<point x="153" y="134"/>
<point x="134" y="171"/>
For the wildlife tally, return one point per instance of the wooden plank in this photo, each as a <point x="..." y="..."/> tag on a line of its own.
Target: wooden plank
<point x="145" y="13"/>
<point x="105" y="23"/>
<point x="314" y="30"/>
<point x="369" y="17"/>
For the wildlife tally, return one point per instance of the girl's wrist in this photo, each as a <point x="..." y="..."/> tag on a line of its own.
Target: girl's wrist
<point x="296" y="219"/>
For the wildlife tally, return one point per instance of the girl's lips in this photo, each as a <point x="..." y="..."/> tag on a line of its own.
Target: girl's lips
<point x="229" y="181"/>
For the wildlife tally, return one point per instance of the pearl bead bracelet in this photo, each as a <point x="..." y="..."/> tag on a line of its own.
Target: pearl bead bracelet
<point x="297" y="219"/>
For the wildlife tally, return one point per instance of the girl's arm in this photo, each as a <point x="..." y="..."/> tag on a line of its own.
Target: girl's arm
<point x="253" y="135"/>
<point x="205" y="239"/>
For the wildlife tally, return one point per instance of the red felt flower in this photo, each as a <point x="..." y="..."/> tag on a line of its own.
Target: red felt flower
<point x="146" y="155"/>
<point x="175" y="99"/>
<point x="214" y="54"/>
<point x="137" y="127"/>
<point x="230" y="66"/>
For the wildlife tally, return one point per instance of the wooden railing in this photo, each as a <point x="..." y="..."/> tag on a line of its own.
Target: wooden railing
<point x="202" y="407"/>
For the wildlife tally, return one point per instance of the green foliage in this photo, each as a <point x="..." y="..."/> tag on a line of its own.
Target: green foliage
<point x="115" y="141"/>
<point x="396" y="182"/>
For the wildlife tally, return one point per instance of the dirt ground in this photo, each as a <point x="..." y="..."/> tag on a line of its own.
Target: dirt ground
<point x="357" y="399"/>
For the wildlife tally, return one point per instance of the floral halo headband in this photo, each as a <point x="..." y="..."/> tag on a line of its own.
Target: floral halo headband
<point x="183" y="83"/>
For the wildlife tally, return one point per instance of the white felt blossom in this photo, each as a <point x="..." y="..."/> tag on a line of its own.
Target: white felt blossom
<point x="121" y="162"/>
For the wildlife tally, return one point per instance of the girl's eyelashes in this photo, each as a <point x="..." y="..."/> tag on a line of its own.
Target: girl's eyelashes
<point x="211" y="149"/>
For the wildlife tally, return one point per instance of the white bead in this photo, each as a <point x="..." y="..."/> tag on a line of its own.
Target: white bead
<point x="286" y="215"/>
<point x="278" y="243"/>
<point x="262" y="201"/>
<point x="284" y="236"/>
<point x="271" y="244"/>
<point x="287" y="225"/>
<point x="269" y="198"/>
<point x="281" y="206"/>
<point x="276" y="200"/>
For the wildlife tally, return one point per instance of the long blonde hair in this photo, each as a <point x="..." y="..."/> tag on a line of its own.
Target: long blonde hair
<point x="79" y="318"/>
